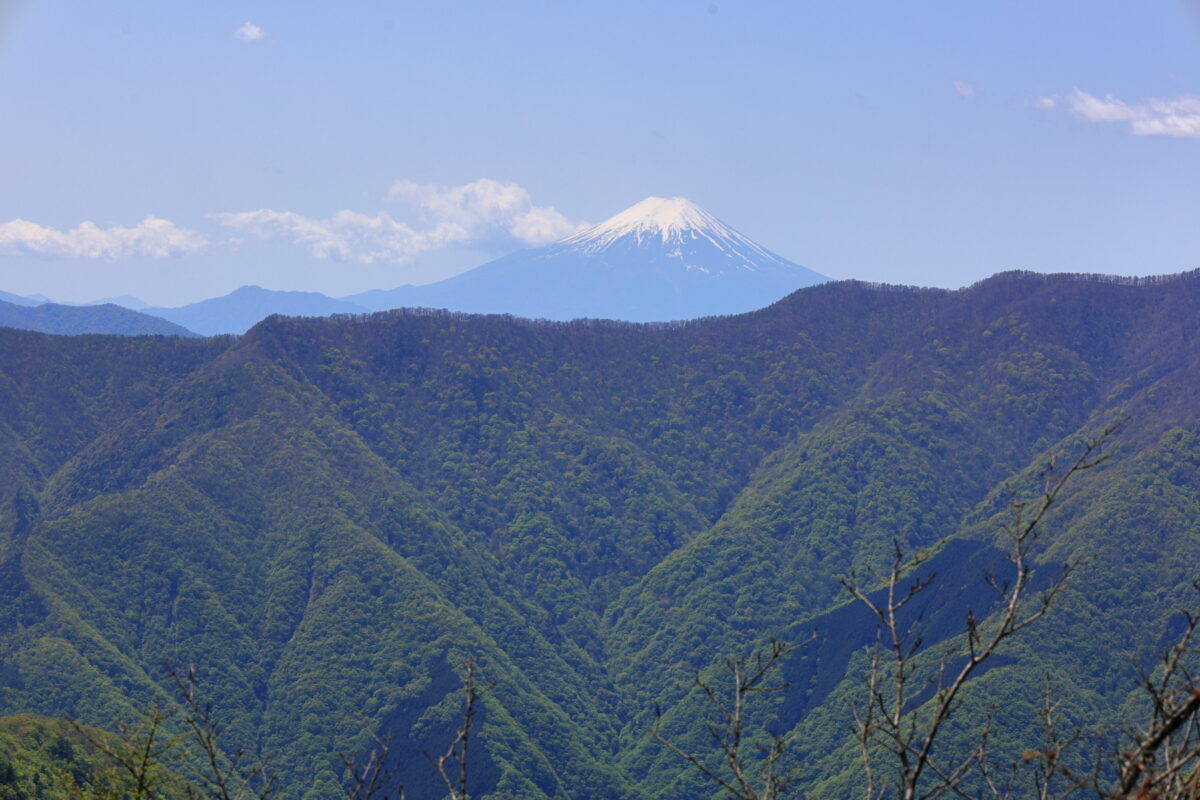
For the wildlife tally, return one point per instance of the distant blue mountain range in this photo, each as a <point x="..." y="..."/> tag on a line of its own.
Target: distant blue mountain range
<point x="661" y="259"/>
<point x="105" y="318"/>
<point x="23" y="300"/>
<point x="239" y="310"/>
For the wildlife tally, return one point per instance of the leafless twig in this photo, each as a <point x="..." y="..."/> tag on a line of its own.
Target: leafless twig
<point x="369" y="780"/>
<point x="221" y="777"/>
<point x="140" y="757"/>
<point x="456" y="753"/>
<point x="749" y="676"/>
<point x="884" y="721"/>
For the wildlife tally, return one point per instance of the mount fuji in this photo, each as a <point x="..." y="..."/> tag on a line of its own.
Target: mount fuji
<point x="661" y="259"/>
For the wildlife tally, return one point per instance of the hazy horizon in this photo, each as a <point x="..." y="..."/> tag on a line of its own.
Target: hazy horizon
<point x="176" y="154"/>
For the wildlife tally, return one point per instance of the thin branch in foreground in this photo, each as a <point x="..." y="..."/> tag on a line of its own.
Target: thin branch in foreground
<point x="456" y="754"/>
<point x="736" y="773"/>
<point x="369" y="780"/>
<point x="884" y="722"/>
<point x="222" y="777"/>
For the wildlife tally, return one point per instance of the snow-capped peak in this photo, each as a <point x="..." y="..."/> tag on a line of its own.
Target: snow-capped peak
<point x="671" y="219"/>
<point x="654" y="216"/>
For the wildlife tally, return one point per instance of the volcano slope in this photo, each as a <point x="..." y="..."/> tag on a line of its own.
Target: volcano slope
<point x="329" y="517"/>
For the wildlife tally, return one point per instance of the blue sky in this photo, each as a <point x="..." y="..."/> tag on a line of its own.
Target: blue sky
<point x="177" y="150"/>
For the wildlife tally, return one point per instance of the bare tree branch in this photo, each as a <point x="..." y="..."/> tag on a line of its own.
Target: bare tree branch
<point x="735" y="776"/>
<point x="884" y="720"/>
<point x="224" y="777"/>
<point x="456" y="753"/>
<point x="369" y="780"/>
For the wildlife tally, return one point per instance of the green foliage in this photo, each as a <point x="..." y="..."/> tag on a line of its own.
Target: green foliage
<point x="46" y="759"/>
<point x="328" y="517"/>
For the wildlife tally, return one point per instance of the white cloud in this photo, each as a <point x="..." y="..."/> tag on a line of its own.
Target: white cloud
<point x="248" y="32"/>
<point x="485" y="206"/>
<point x="1178" y="117"/>
<point x="964" y="89"/>
<point x="450" y="216"/>
<point x="542" y="225"/>
<point x="347" y="235"/>
<point x="154" y="237"/>
<point x="1044" y="103"/>
<point x="1096" y="109"/>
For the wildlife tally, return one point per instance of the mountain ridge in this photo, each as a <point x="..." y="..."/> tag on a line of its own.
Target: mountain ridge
<point x="328" y="514"/>
<point x="104" y="318"/>
<point x="245" y="306"/>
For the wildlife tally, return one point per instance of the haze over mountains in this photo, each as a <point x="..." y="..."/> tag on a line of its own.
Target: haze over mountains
<point x="239" y="310"/>
<point x="23" y="300"/>
<point x="101" y="318"/>
<point x="661" y="259"/>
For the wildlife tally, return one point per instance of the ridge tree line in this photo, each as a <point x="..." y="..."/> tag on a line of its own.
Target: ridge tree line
<point x="906" y="705"/>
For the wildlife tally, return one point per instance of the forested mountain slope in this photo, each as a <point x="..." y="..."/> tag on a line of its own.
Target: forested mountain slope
<point x="71" y="320"/>
<point x="329" y="516"/>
